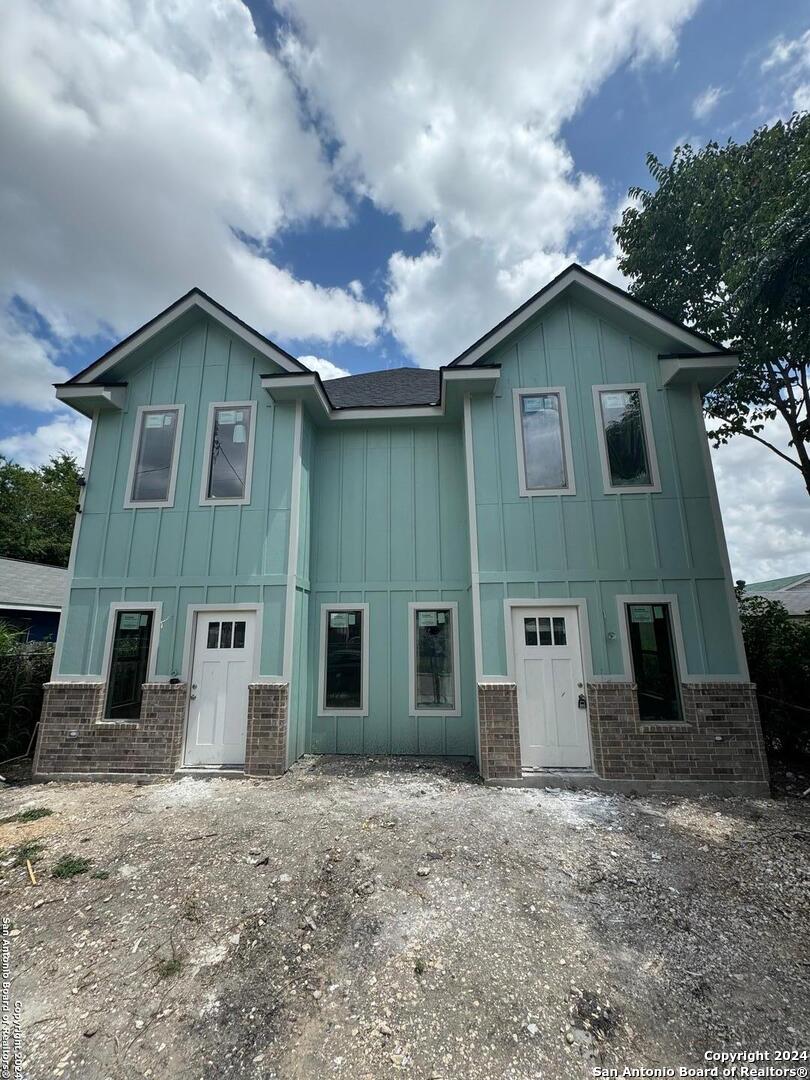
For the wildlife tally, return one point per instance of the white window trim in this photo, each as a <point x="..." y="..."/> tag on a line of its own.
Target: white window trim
<point x="671" y="600"/>
<point x="649" y="440"/>
<point x="205" y="500"/>
<point x="131" y="605"/>
<point x="363" y="710"/>
<point x="142" y="410"/>
<point x="432" y="605"/>
<point x="568" y="459"/>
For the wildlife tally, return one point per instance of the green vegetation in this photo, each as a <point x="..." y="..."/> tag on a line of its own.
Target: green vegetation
<point x="28" y="851"/>
<point x="32" y="814"/>
<point x="723" y="244"/>
<point x="70" y="865"/>
<point x="37" y="509"/>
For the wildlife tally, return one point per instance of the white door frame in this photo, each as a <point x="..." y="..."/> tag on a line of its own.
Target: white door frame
<point x="192" y="611"/>
<point x="580" y="606"/>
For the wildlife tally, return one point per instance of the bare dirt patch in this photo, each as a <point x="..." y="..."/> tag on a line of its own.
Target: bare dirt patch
<point x="373" y="918"/>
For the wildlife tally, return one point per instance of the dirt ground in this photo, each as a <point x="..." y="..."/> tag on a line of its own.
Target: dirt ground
<point x="373" y="918"/>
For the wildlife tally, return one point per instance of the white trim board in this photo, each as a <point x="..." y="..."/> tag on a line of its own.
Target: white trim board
<point x="575" y="275"/>
<point x="195" y="299"/>
<point x="570" y="488"/>
<point x="27" y="607"/>
<point x="649" y="439"/>
<point x="363" y="710"/>
<point x="292" y="547"/>
<point x="141" y="412"/>
<point x="469" y="463"/>
<point x="433" y="605"/>
<point x="241" y="500"/>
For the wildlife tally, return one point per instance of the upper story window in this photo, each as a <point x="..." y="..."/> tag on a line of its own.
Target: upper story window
<point x="625" y="438"/>
<point x="229" y="453"/>
<point x="543" y="442"/>
<point x="155" y="448"/>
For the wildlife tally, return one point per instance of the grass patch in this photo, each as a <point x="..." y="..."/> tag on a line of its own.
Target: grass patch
<point x="30" y="851"/>
<point x="33" y="814"/>
<point x="102" y="875"/>
<point x="69" y="866"/>
<point x="419" y="966"/>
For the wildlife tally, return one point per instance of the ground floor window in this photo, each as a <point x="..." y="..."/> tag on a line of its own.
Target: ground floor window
<point x="344" y="660"/>
<point x="129" y="664"/>
<point x="655" y="669"/>
<point x="434" y="660"/>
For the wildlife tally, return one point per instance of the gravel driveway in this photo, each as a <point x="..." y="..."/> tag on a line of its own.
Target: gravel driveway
<point x="379" y="918"/>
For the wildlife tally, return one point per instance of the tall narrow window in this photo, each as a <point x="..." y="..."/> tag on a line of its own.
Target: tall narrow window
<point x="654" y="667"/>
<point x="344" y="661"/>
<point x="129" y="664"/>
<point x="154" y="456"/>
<point x="230" y="438"/>
<point x="544" y="448"/>
<point x="435" y="661"/>
<point x="624" y="422"/>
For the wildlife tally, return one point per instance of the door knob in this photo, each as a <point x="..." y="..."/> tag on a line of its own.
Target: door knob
<point x="193" y="697"/>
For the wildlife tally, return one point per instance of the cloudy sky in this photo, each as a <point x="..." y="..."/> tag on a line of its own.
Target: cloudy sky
<point x="371" y="184"/>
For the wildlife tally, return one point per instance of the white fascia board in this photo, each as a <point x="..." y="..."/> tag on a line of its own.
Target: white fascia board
<point x="705" y="372"/>
<point x="140" y="338"/>
<point x="624" y="303"/>
<point x="88" y="399"/>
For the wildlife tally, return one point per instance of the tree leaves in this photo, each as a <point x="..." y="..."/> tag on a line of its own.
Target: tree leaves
<point x="723" y="244"/>
<point x="37" y="510"/>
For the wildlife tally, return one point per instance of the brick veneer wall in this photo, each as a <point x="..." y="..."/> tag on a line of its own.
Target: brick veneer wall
<point x="74" y="737"/>
<point x="499" y="731"/>
<point x="720" y="738"/>
<point x="266" y="753"/>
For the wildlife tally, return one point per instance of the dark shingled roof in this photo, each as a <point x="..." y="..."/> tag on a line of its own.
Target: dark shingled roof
<point x="399" y="386"/>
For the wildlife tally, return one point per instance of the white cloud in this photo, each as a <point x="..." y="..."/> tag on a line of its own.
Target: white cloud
<point x="150" y="141"/>
<point x="67" y="433"/>
<point x="451" y="116"/>
<point x="27" y="366"/>
<point x="325" y="368"/>
<point x="707" y="102"/>
<point x="789" y="61"/>
<point x="766" y="511"/>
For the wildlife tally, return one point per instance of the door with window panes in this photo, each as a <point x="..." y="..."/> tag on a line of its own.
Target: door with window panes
<point x="218" y="696"/>
<point x="552" y="715"/>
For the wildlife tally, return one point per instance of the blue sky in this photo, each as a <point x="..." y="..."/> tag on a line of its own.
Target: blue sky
<point x="370" y="185"/>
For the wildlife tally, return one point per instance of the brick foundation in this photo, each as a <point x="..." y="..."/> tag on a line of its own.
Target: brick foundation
<point x="718" y="741"/>
<point x="74" y="738"/>
<point x="266" y="752"/>
<point x="499" y="731"/>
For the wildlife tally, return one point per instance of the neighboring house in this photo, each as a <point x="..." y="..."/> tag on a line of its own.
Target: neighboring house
<point x="32" y="596"/>
<point x="793" y="592"/>
<point x="518" y="557"/>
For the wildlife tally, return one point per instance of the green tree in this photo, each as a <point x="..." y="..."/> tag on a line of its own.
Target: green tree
<point x="723" y="244"/>
<point x="778" y="651"/>
<point x="37" y="509"/>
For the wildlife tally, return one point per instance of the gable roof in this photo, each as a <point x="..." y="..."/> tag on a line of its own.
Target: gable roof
<point x="99" y="371"/>
<point x="577" y="276"/>
<point x="32" y="585"/>
<point x="395" y="387"/>
<point x="776" y="584"/>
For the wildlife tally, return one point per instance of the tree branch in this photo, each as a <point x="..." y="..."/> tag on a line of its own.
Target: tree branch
<point x="790" y="461"/>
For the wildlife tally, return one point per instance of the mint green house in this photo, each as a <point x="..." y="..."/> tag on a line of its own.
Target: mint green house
<point x="517" y="558"/>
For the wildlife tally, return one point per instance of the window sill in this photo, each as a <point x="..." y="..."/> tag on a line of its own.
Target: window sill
<point x="118" y="723"/>
<point x="650" y="727"/>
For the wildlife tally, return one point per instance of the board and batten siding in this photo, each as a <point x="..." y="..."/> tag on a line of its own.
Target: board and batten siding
<point x="389" y="527"/>
<point x="594" y="545"/>
<point x="187" y="554"/>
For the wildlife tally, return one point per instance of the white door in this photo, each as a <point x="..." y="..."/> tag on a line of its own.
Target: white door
<point x="218" y="696"/>
<point x="551" y="692"/>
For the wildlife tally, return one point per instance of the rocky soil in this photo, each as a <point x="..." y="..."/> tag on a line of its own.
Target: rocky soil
<point x="386" y="918"/>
